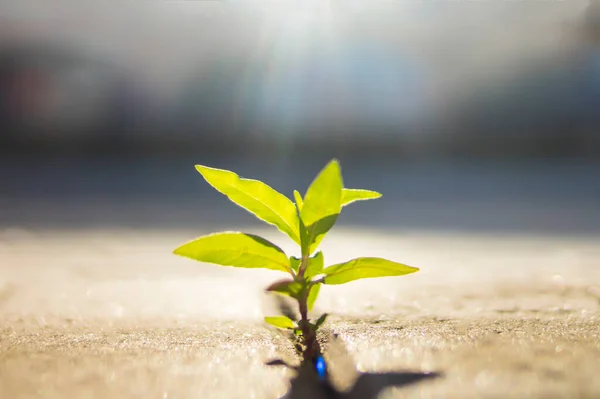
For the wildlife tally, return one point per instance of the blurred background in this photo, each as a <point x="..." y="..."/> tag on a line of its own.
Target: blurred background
<point x="466" y="114"/>
<point x="478" y="120"/>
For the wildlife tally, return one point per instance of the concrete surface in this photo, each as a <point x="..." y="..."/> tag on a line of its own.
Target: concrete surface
<point x="109" y="312"/>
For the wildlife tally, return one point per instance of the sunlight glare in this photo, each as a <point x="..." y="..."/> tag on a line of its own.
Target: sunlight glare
<point x="299" y="21"/>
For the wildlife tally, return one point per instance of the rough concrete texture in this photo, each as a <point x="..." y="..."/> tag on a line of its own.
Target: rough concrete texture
<point x="111" y="313"/>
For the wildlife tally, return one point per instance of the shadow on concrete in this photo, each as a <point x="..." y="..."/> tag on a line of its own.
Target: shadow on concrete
<point x="313" y="377"/>
<point x="367" y="385"/>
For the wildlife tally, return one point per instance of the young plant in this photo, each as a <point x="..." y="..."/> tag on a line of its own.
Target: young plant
<point x="306" y="222"/>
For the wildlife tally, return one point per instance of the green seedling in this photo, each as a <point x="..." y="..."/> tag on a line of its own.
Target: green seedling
<point x="305" y="221"/>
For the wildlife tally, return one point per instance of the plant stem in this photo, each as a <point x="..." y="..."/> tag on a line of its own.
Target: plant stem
<point x="309" y="336"/>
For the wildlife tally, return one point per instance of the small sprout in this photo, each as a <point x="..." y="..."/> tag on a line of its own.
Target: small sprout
<point x="281" y="322"/>
<point x="305" y="221"/>
<point x="288" y="287"/>
<point x="321" y="320"/>
<point x="298" y="199"/>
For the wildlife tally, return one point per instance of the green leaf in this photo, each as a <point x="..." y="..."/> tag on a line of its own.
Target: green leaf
<point x="321" y="320"/>
<point x="287" y="287"/>
<point x="312" y="296"/>
<point x="298" y="199"/>
<point x="323" y="196"/>
<point x="350" y="195"/>
<point x="360" y="268"/>
<point x="281" y="322"/>
<point x="295" y="263"/>
<point x="315" y="266"/>
<point x="236" y="249"/>
<point x="322" y="205"/>
<point x="258" y="198"/>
